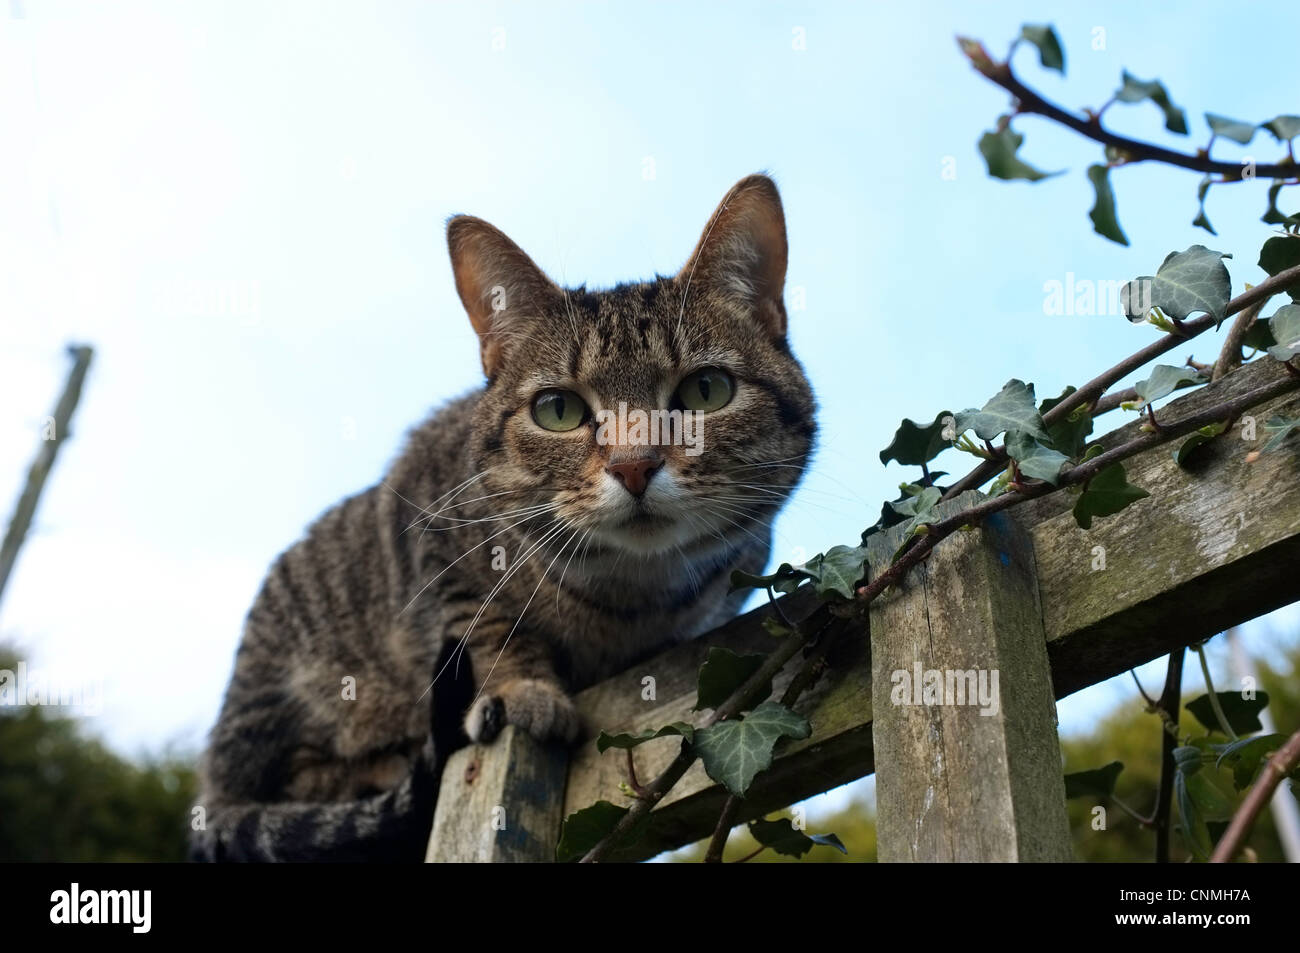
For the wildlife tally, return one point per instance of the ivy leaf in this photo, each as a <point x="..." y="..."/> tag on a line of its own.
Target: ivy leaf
<point x="1012" y="408"/>
<point x="781" y="836"/>
<point x="1211" y="803"/>
<point x="1194" y="830"/>
<point x="1285" y="326"/>
<point x="1258" y="336"/>
<point x="840" y="568"/>
<point x="1068" y="435"/>
<point x="999" y="150"/>
<point x="1096" y="783"/>
<point x="733" y="752"/>
<point x="1050" y="54"/>
<point x="1107" y="493"/>
<point x="785" y="579"/>
<point x="722" y="673"/>
<point x="1105" y="222"/>
<point x="1187" y="282"/>
<point x="1202" y="436"/>
<point x="1164" y="380"/>
<point x="1232" y="129"/>
<point x="1246" y="755"/>
<point x="1283" y="127"/>
<point x="1242" y="713"/>
<point x="1136" y="90"/>
<point x="914" y="445"/>
<point x="1279" y="254"/>
<point x="629" y="740"/>
<point x="918" y="509"/>
<point x="1278" y="428"/>
<point x="1274" y="215"/>
<point x="1033" y="458"/>
<point x="1202" y="220"/>
<point x="583" y="830"/>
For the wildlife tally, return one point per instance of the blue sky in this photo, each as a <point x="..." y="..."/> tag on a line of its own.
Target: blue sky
<point x="241" y="206"/>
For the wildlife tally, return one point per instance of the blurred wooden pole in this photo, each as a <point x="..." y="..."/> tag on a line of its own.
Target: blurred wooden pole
<point x="53" y="436"/>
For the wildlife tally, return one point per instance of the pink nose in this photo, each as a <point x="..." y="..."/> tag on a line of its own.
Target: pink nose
<point x="634" y="473"/>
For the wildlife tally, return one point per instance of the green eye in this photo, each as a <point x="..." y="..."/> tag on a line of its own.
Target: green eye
<point x="559" y="410"/>
<point x="706" y="390"/>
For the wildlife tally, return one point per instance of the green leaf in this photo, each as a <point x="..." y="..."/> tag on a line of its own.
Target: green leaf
<point x="1193" y="827"/>
<point x="1285" y="326"/>
<point x="1202" y="436"/>
<point x="1096" y="783"/>
<point x="1258" y="336"/>
<point x="1050" y="54"/>
<point x="1242" y="713"/>
<point x="1164" y="380"/>
<point x="733" y="752"/>
<point x="1105" y="222"/>
<point x="584" y="829"/>
<point x="1202" y="220"/>
<point x="1279" y="254"/>
<point x="999" y="150"/>
<point x="839" y="569"/>
<point x="1283" y="127"/>
<point x="1278" y="428"/>
<point x="722" y="673"/>
<point x="1246" y="755"/>
<point x="919" y="509"/>
<point x="1187" y="282"/>
<point x="780" y="835"/>
<point x="1012" y="408"/>
<point x="1135" y="90"/>
<point x="1274" y="215"/>
<point x="1107" y="493"/>
<point x="1033" y="458"/>
<point x="1232" y="129"/>
<point x="785" y="573"/>
<point x="914" y="445"/>
<point x="630" y="740"/>
<point x="1068" y="435"/>
<point x="1211" y="803"/>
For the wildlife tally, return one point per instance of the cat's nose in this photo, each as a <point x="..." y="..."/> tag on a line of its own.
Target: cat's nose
<point x="634" y="472"/>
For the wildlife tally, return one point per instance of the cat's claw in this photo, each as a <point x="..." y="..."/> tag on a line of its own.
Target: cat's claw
<point x="540" y="708"/>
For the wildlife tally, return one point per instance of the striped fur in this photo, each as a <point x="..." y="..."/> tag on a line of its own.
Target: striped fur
<point x="506" y="554"/>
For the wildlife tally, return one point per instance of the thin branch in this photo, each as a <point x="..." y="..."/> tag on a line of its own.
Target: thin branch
<point x="1134" y="150"/>
<point x="1170" y="702"/>
<point x="1142" y="691"/>
<point x="1282" y="763"/>
<point x="1097" y="387"/>
<point x="1214" y="696"/>
<point x="1230" y="355"/>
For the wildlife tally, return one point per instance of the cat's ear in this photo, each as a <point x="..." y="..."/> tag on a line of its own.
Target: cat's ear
<point x="497" y="282"/>
<point x="742" y="254"/>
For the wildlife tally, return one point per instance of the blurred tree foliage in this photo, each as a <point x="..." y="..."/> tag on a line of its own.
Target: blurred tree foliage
<point x="1127" y="734"/>
<point x="65" y="797"/>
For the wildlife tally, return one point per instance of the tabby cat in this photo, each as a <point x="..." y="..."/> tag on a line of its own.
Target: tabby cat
<point x="517" y="539"/>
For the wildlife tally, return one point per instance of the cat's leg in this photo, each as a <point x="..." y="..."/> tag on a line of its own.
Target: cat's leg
<point x="516" y="684"/>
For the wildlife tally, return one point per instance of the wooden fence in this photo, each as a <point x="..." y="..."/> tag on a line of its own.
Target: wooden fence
<point x="1050" y="608"/>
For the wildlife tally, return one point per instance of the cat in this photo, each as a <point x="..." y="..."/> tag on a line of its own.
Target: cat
<point x="518" y="538"/>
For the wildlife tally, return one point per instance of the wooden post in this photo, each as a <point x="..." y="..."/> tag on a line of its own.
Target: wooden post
<point x="972" y="773"/>
<point x="41" y="466"/>
<point x="500" y="803"/>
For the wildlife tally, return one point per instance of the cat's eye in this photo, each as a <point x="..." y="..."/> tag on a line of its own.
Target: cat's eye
<point x="707" y="389"/>
<point x="559" y="410"/>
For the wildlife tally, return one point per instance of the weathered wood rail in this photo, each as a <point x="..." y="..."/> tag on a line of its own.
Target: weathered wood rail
<point x="1048" y="607"/>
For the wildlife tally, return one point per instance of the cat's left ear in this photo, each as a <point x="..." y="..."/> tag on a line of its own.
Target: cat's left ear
<point x="497" y="282"/>
<point x="741" y="257"/>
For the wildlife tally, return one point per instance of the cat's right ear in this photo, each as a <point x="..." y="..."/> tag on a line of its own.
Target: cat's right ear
<point x="497" y="282"/>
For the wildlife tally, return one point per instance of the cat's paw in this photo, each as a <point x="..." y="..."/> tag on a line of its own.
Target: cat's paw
<point x="541" y="708"/>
